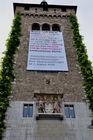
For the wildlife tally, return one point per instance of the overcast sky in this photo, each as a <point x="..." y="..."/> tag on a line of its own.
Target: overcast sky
<point x="84" y="14"/>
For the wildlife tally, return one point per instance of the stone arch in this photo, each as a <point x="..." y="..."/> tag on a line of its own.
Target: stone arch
<point x="55" y="27"/>
<point x="46" y="27"/>
<point x="35" y="26"/>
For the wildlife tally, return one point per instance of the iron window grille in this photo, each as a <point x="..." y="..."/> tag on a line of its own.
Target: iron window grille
<point x="28" y="110"/>
<point x="69" y="111"/>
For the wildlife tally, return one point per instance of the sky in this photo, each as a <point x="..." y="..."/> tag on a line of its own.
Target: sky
<point x="84" y="15"/>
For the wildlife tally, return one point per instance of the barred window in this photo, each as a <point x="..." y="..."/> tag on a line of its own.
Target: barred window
<point x="69" y="111"/>
<point x="27" y="110"/>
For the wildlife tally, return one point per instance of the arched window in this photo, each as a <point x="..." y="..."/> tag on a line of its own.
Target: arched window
<point x="59" y="15"/>
<point x="35" y="26"/>
<point x="55" y="27"/>
<point x="45" y="27"/>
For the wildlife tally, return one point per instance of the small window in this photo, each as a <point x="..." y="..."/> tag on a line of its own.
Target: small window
<point x="41" y="15"/>
<point x="55" y="27"/>
<point x="45" y="8"/>
<point x="59" y="15"/>
<point x="69" y="111"/>
<point x="63" y="9"/>
<point x="26" y="7"/>
<point x="36" y="10"/>
<point x="28" y="110"/>
<point x="35" y="26"/>
<point x="54" y="10"/>
<point x="50" y="15"/>
<point x="45" y="27"/>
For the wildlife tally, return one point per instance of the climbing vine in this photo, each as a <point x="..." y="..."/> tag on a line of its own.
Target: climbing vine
<point x="7" y="69"/>
<point x="84" y="63"/>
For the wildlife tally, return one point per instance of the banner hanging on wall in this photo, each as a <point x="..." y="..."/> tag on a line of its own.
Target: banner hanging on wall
<point x="46" y="51"/>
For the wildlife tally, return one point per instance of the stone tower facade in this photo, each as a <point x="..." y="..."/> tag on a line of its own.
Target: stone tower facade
<point x="47" y="104"/>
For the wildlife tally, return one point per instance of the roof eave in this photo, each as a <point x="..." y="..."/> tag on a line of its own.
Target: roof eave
<point x="39" y="5"/>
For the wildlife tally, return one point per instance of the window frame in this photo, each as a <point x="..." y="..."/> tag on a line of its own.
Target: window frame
<point x="45" y="27"/>
<point x="27" y="7"/>
<point x="70" y="114"/>
<point x="56" y="27"/>
<point x="35" y="26"/>
<point x="28" y="115"/>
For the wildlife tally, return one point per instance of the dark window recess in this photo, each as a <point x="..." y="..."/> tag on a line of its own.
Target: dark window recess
<point x="54" y="16"/>
<point x="36" y="10"/>
<point x="55" y="10"/>
<point x="59" y="15"/>
<point x="41" y="15"/>
<point x="63" y="9"/>
<point x="45" y="27"/>
<point x="26" y="8"/>
<point x="69" y="111"/>
<point x="55" y="27"/>
<point x="44" y="5"/>
<point x="28" y="110"/>
<point x="50" y="15"/>
<point x="45" y="8"/>
<point x="35" y="26"/>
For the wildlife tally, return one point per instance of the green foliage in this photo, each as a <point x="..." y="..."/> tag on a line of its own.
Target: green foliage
<point x="7" y="70"/>
<point x="84" y="63"/>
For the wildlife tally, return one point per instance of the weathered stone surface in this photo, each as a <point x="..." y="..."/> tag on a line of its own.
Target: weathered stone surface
<point x="32" y="86"/>
<point x="27" y="82"/>
<point x="21" y="128"/>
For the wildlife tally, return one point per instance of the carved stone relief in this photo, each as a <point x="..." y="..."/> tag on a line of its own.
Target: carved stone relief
<point x="49" y="103"/>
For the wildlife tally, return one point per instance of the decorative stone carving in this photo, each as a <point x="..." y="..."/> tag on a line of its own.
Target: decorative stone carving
<point x="41" y="107"/>
<point x="57" y="107"/>
<point x="49" y="108"/>
<point x="49" y="103"/>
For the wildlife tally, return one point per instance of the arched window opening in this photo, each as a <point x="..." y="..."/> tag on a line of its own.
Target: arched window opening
<point x="45" y="27"/>
<point x="55" y="27"/>
<point x="50" y="15"/>
<point x="45" y="15"/>
<point x="59" y="15"/>
<point x="36" y="15"/>
<point x="54" y="16"/>
<point x="35" y="26"/>
<point x="41" y="15"/>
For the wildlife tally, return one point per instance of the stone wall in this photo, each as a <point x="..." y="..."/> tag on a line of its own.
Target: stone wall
<point x="62" y="88"/>
<point x="21" y="128"/>
<point x="27" y="83"/>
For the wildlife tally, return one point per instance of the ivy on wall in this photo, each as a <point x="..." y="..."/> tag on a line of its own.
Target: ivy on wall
<point x="7" y="69"/>
<point x="84" y="63"/>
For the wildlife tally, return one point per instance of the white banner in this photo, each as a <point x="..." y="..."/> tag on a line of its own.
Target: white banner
<point x="46" y="51"/>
